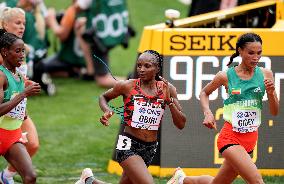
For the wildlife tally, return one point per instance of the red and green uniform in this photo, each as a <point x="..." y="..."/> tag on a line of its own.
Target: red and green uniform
<point x="243" y="106"/>
<point x="242" y="110"/>
<point x="11" y="122"/>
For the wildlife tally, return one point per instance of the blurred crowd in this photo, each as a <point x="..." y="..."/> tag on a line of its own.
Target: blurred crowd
<point x="84" y="34"/>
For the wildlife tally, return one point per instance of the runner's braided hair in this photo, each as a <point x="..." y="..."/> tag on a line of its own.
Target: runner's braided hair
<point x="158" y="60"/>
<point x="158" y="57"/>
<point x="7" y="39"/>
<point x="242" y="41"/>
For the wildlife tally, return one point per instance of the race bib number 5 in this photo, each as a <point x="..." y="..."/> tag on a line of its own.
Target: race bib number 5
<point x="244" y="121"/>
<point x="123" y="143"/>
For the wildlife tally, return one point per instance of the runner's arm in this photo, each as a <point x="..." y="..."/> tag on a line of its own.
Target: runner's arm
<point x="271" y="93"/>
<point x="178" y="116"/>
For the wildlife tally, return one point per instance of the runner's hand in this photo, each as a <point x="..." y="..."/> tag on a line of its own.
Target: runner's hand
<point x="32" y="89"/>
<point x="167" y="88"/>
<point x="269" y="86"/>
<point x="209" y="120"/>
<point x="104" y="119"/>
<point x="28" y="82"/>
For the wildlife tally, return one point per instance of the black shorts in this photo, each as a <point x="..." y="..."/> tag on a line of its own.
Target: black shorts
<point x="228" y="145"/>
<point x="128" y="146"/>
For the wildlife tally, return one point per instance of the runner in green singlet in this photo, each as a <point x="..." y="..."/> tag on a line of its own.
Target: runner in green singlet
<point x="246" y="85"/>
<point x="13" y="96"/>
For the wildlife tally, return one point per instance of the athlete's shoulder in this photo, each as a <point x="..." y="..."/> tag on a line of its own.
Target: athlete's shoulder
<point x="3" y="78"/>
<point x="221" y="75"/>
<point x="2" y="74"/>
<point x="126" y="82"/>
<point x="172" y="87"/>
<point x="220" y="79"/>
<point x="123" y="84"/>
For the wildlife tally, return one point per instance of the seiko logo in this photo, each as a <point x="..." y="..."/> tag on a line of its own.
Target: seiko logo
<point x="202" y="42"/>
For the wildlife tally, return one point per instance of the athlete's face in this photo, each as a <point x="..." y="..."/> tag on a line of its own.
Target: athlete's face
<point x="16" y="25"/>
<point x="251" y="53"/>
<point x="147" y="67"/>
<point x="15" y="54"/>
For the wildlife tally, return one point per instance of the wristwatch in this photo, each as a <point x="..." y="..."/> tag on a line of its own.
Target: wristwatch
<point x="169" y="101"/>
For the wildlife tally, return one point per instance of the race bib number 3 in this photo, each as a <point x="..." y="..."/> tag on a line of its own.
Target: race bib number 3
<point x="147" y="115"/>
<point x="19" y="111"/>
<point x="123" y="143"/>
<point x="244" y="121"/>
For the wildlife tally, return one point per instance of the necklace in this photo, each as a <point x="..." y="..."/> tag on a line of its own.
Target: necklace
<point x="244" y="69"/>
<point x="15" y="75"/>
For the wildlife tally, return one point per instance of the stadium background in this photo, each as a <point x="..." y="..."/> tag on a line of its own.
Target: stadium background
<point x="70" y="134"/>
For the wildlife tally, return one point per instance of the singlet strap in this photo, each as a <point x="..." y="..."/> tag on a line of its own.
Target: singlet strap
<point x="137" y="84"/>
<point x="135" y="87"/>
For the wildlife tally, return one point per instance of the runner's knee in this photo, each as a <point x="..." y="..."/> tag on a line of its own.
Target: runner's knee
<point x="32" y="147"/>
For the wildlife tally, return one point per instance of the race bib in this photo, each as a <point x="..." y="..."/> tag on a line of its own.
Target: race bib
<point x="123" y="143"/>
<point x="19" y="111"/>
<point x="147" y="115"/>
<point x="244" y="121"/>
